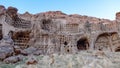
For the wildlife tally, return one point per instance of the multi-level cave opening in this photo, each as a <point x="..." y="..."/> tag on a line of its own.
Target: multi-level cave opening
<point x="82" y="44"/>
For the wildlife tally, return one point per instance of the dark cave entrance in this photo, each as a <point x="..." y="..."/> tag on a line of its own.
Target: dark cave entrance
<point x="117" y="50"/>
<point x="82" y="44"/>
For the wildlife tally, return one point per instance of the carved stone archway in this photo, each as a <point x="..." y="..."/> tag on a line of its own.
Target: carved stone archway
<point x="107" y="41"/>
<point x="102" y="42"/>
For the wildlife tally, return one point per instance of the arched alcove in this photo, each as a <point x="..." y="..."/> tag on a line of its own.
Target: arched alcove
<point x="82" y="44"/>
<point x="102" y="42"/>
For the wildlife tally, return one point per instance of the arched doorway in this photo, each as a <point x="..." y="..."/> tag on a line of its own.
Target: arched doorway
<point x="82" y="44"/>
<point x="107" y="41"/>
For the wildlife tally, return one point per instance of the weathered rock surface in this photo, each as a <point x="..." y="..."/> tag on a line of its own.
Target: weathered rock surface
<point x="13" y="59"/>
<point x="55" y="32"/>
<point x="29" y="51"/>
<point x="17" y="50"/>
<point x="6" y="51"/>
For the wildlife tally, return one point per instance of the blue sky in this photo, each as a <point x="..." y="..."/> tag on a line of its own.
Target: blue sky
<point x="97" y="8"/>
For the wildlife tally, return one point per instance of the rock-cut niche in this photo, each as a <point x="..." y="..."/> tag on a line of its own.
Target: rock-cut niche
<point x="46" y="23"/>
<point x="102" y="42"/>
<point x="82" y="44"/>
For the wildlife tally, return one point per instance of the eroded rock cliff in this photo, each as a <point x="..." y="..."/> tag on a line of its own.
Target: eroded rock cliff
<point x="56" y="32"/>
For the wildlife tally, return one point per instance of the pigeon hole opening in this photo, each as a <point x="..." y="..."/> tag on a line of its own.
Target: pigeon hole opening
<point x="65" y="43"/>
<point x="21" y="38"/>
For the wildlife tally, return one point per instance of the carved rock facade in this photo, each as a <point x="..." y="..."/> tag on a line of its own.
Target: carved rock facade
<point x="56" y="32"/>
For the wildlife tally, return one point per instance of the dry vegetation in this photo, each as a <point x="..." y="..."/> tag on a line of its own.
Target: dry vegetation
<point x="84" y="59"/>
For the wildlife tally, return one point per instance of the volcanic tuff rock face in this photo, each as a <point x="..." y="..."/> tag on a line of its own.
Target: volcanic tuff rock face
<point x="56" y="32"/>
